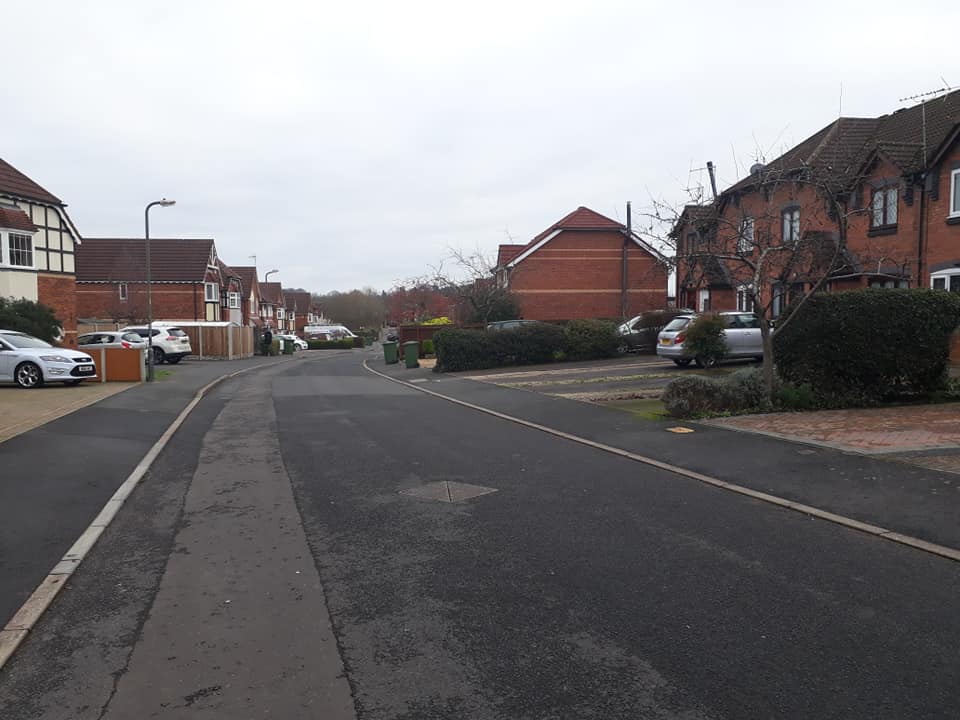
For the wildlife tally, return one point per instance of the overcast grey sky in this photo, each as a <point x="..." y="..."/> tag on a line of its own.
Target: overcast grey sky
<point x="350" y="144"/>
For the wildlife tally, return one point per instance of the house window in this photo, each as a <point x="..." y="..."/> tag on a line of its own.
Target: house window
<point x="955" y="193"/>
<point x="948" y="280"/>
<point x="703" y="300"/>
<point x="253" y="306"/>
<point x="691" y="241"/>
<point x="122" y="289"/>
<point x="745" y="298"/>
<point x="211" y="292"/>
<point x="279" y="313"/>
<point x="791" y="225"/>
<point x="745" y="239"/>
<point x="889" y="284"/>
<point x="779" y="300"/>
<point x="233" y="300"/>
<point x="883" y="208"/>
<point x="21" y="250"/>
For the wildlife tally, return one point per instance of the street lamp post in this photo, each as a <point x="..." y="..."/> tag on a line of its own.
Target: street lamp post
<point x="146" y="234"/>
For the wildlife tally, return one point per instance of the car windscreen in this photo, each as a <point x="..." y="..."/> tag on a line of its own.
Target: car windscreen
<point x="25" y="341"/>
<point x="131" y="337"/>
<point x="676" y="324"/>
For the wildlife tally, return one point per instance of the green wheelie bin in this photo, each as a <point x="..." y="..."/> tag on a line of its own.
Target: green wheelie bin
<point x="411" y="353"/>
<point x="390" y="353"/>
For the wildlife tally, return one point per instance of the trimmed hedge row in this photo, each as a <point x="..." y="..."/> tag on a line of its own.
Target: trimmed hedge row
<point x="346" y="344"/>
<point x="532" y="344"/>
<point x="865" y="346"/>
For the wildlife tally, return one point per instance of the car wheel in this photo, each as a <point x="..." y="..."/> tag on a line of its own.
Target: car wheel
<point x="705" y="362"/>
<point x="158" y="356"/>
<point x="623" y="348"/>
<point x="682" y="362"/>
<point x="72" y="383"/>
<point x="174" y="359"/>
<point x="28" y="375"/>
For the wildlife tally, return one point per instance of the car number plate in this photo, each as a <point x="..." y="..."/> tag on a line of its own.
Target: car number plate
<point x="665" y="341"/>
<point x="86" y="370"/>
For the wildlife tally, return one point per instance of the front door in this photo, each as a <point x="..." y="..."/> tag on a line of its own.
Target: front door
<point x="703" y="300"/>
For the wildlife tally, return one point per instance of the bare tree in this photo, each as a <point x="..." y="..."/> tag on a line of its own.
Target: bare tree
<point x="471" y="278"/>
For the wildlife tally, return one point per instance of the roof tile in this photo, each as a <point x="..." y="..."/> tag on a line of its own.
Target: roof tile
<point x="125" y="259"/>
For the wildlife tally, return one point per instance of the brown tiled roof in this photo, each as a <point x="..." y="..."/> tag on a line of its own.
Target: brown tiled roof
<point x="910" y="138"/>
<point x="13" y="218"/>
<point x="506" y="253"/>
<point x="299" y="300"/>
<point x="14" y="182"/>
<point x="124" y="260"/>
<point x="583" y="218"/>
<point x="271" y="292"/>
<point x="248" y="278"/>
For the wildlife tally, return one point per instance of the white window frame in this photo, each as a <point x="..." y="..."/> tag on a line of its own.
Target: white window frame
<point x="123" y="292"/>
<point x="946" y="276"/>
<point x="5" y="250"/>
<point x="279" y="313"/>
<point x="954" y="184"/>
<point x="744" y="300"/>
<point x="745" y="240"/>
<point x="703" y="300"/>
<point x="233" y="300"/>
<point x="211" y="292"/>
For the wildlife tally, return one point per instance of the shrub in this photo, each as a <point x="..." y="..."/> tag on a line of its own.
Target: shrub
<point x="29" y="317"/>
<point x="438" y="321"/>
<point x="590" y="339"/>
<point x="705" y="341"/>
<point x="865" y="346"/>
<point x="477" y="349"/>
<point x="795" y="397"/>
<point x="426" y="347"/>
<point x="694" y="395"/>
<point x="345" y="344"/>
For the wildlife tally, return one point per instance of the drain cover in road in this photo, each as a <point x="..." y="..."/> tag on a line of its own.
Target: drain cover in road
<point x="448" y="491"/>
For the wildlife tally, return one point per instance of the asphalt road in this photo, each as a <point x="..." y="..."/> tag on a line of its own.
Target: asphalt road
<point x="585" y="586"/>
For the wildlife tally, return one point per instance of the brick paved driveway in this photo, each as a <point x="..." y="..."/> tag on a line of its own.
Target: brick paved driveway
<point x="927" y="435"/>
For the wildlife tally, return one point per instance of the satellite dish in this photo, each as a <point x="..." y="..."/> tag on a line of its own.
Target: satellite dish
<point x="756" y="168"/>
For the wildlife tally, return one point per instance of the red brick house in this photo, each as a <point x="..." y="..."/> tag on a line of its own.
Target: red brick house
<point x="188" y="282"/>
<point x="584" y="266"/>
<point x="273" y="306"/>
<point x="875" y="202"/>
<point x="250" y="295"/>
<point x="301" y="310"/>
<point x="37" y="245"/>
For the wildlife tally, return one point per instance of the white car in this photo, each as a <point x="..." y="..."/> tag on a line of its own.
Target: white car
<point x="297" y="342"/>
<point x="170" y="343"/>
<point x="30" y="362"/>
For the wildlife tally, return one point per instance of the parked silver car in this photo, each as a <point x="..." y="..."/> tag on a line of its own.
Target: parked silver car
<point x="742" y="335"/>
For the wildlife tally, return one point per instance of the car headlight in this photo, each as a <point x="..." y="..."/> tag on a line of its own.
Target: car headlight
<point x="56" y="359"/>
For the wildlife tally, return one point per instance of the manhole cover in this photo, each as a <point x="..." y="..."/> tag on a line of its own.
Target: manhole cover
<point x="448" y="491"/>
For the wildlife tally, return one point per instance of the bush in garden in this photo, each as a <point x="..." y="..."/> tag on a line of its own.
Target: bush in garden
<point x="705" y="340"/>
<point x="745" y="391"/>
<point x="865" y="346"/>
<point x="590" y="339"/>
<point x="426" y="347"/>
<point x="693" y="396"/>
<point x="28" y="317"/>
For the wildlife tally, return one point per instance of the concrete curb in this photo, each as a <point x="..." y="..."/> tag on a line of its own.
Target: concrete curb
<point x="809" y="510"/>
<point x="15" y="631"/>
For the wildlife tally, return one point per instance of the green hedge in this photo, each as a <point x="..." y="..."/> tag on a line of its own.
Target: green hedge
<point x="865" y="346"/>
<point x="526" y="345"/>
<point x="346" y="344"/>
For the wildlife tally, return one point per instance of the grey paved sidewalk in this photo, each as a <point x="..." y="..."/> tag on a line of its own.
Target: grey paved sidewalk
<point x="917" y="501"/>
<point x="57" y="477"/>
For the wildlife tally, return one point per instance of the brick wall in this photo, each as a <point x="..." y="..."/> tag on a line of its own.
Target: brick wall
<point x="171" y="301"/>
<point x="942" y="235"/>
<point x="58" y="292"/>
<point x="578" y="274"/>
